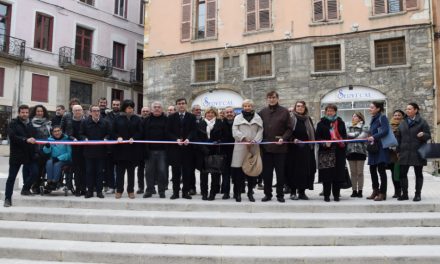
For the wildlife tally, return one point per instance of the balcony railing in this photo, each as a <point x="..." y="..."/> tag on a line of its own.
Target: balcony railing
<point x="136" y="76"/>
<point x="83" y="60"/>
<point x="12" y="47"/>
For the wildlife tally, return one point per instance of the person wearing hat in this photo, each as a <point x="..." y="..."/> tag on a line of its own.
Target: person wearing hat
<point x="357" y="152"/>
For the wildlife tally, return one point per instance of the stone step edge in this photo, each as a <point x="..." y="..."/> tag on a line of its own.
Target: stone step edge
<point x="222" y="235"/>
<point x="28" y="261"/>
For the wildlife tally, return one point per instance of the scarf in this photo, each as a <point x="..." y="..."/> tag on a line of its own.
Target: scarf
<point x="248" y="115"/>
<point x="209" y="125"/>
<point x="42" y="126"/>
<point x="395" y="124"/>
<point x="307" y="122"/>
<point x="331" y="118"/>
<point x="334" y="132"/>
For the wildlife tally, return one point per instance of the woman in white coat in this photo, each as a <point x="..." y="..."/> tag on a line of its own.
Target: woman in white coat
<point x="247" y="127"/>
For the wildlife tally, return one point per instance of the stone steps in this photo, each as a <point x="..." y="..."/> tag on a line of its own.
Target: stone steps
<point x="28" y="261"/>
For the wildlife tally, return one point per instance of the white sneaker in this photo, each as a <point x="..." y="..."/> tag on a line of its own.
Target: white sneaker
<point x="110" y="191"/>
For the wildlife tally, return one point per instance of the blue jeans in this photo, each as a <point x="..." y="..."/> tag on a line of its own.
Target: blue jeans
<point x="53" y="170"/>
<point x="30" y="171"/>
<point x="157" y="169"/>
<point x="95" y="170"/>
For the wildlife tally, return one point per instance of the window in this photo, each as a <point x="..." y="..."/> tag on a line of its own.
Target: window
<point x="83" y="46"/>
<point x="43" y="32"/>
<point x="2" y="81"/>
<point x="40" y="88"/>
<point x="328" y="58"/>
<point x="390" y="52"/>
<point x="259" y="65"/>
<point x="118" y="94"/>
<point x="205" y="70"/>
<point x="325" y="10"/>
<point x="393" y="6"/>
<point x="142" y="12"/>
<point x="258" y="14"/>
<point x="82" y="91"/>
<point x="89" y="2"/>
<point x="185" y="30"/>
<point x="121" y="8"/>
<point x="206" y="18"/>
<point x="118" y="55"/>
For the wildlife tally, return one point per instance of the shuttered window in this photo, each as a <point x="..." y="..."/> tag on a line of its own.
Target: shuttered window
<point x="258" y="14"/>
<point x="259" y="65"/>
<point x="185" y="31"/>
<point x="393" y="6"/>
<point x="40" y="88"/>
<point x="43" y="32"/>
<point x="325" y="10"/>
<point x="206" y="18"/>
<point x="2" y="81"/>
<point x="390" y="52"/>
<point x="205" y="70"/>
<point x="328" y="58"/>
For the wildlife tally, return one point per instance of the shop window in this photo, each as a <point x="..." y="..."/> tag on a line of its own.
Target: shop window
<point x="390" y="52"/>
<point x="259" y="65"/>
<point x="121" y="8"/>
<point x="40" y="88"/>
<point x="325" y="10"/>
<point x="82" y="91"/>
<point x="328" y="58"/>
<point x="118" y="94"/>
<point x="43" y="32"/>
<point x="2" y="81"/>
<point x="393" y="6"/>
<point x="205" y="70"/>
<point x="89" y="2"/>
<point x="258" y="15"/>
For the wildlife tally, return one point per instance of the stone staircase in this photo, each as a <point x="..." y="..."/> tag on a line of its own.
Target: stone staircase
<point x="55" y="228"/>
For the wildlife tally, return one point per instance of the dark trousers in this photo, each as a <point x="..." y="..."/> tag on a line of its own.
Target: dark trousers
<point x="273" y="161"/>
<point x="79" y="170"/>
<point x="110" y="176"/>
<point x="40" y="171"/>
<point x="95" y="170"/>
<point x="239" y="178"/>
<point x="381" y="167"/>
<point x="182" y="172"/>
<point x="330" y="187"/>
<point x="418" y="170"/>
<point x="215" y="183"/>
<point x="121" y="167"/>
<point x="30" y="171"/>
<point x="141" y="175"/>
<point x="396" y="184"/>
<point x="226" y="179"/>
<point x="157" y="171"/>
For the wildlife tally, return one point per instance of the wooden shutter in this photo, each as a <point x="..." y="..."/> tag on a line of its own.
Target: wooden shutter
<point x="40" y="88"/>
<point x="2" y="81"/>
<point x="412" y="4"/>
<point x="264" y="13"/>
<point x="380" y="7"/>
<point x="211" y="18"/>
<point x="185" y="34"/>
<point x="332" y="10"/>
<point x="251" y="15"/>
<point x="318" y="10"/>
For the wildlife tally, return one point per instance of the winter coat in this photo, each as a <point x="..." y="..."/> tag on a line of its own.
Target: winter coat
<point x="216" y="135"/>
<point x="181" y="129"/>
<point x="61" y="152"/>
<point x="92" y="130"/>
<point x="155" y="128"/>
<point x="277" y="124"/>
<point x="126" y="128"/>
<point x="358" y="131"/>
<point x="241" y="129"/>
<point x="228" y="138"/>
<point x="378" y="129"/>
<point x="21" y="152"/>
<point x="409" y="143"/>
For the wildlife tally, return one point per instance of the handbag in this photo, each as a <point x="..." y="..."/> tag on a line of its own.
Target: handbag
<point x="252" y="163"/>
<point x="372" y="148"/>
<point x="429" y="151"/>
<point x="346" y="184"/>
<point x="389" y="140"/>
<point x="214" y="163"/>
<point x="327" y="158"/>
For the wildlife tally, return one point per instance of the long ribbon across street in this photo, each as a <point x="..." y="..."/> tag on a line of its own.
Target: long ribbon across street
<point x="116" y="142"/>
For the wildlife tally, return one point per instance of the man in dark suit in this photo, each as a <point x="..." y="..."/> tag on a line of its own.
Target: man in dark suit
<point x="182" y="129"/>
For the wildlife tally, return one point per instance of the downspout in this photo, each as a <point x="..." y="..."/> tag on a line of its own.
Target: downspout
<point x="434" y="67"/>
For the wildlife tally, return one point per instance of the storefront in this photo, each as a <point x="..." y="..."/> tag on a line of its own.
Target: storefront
<point x="219" y="99"/>
<point x="351" y="99"/>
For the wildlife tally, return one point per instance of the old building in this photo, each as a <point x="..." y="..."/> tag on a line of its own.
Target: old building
<point x="52" y="50"/>
<point x="348" y="52"/>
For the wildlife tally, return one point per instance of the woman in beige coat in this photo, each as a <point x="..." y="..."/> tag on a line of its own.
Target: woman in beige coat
<point x="247" y="127"/>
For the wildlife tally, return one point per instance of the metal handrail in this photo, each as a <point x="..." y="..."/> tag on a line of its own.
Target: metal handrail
<point x="70" y="56"/>
<point x="12" y="46"/>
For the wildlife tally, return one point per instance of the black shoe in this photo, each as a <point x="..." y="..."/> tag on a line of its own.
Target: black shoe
<point x="88" y="195"/>
<point x="140" y="191"/>
<point x="281" y="199"/>
<point x="186" y="196"/>
<point x="336" y="199"/>
<point x="192" y="192"/>
<point x="359" y="194"/>
<point x="174" y="196"/>
<point x="302" y="196"/>
<point x="8" y="203"/>
<point x="354" y="194"/>
<point x="26" y="193"/>
<point x="266" y="199"/>
<point x="154" y="191"/>
<point x="287" y="189"/>
<point x="260" y="186"/>
<point x="147" y="195"/>
<point x="77" y="193"/>
<point x="293" y="197"/>
<point x="327" y="199"/>
<point x="404" y="197"/>
<point x="36" y="190"/>
<point x="226" y="196"/>
<point x="238" y="198"/>
<point x="211" y="197"/>
<point x="251" y="198"/>
<point x="417" y="198"/>
<point x="204" y="197"/>
<point x="100" y="195"/>
<point x="162" y="195"/>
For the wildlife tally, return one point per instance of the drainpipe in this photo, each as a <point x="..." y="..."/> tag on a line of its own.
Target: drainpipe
<point x="434" y="67"/>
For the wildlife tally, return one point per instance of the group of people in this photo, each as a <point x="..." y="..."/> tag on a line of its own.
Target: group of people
<point x="102" y="168"/>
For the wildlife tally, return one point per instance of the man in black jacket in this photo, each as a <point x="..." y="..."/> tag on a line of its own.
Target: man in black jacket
<point x="95" y="128"/>
<point x="110" y="165"/>
<point x="22" y="152"/>
<point x="227" y="150"/>
<point x="181" y="128"/>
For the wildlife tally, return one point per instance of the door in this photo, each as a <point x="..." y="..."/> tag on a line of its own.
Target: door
<point x="83" y="47"/>
<point x="5" y="26"/>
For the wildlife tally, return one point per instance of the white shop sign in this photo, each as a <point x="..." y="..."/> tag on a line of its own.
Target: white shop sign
<point x="357" y="93"/>
<point x="218" y="99"/>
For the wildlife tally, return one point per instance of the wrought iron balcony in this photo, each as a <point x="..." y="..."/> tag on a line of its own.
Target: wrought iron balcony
<point x="136" y="76"/>
<point x="85" y="61"/>
<point x="11" y="47"/>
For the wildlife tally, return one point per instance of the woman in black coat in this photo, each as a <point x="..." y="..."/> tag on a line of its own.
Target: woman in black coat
<point x="413" y="132"/>
<point x="127" y="126"/>
<point x="209" y="130"/>
<point x="331" y="156"/>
